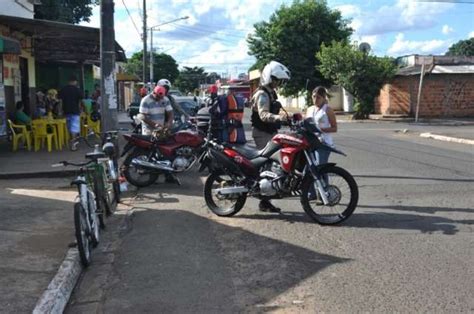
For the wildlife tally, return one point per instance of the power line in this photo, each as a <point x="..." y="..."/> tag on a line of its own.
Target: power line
<point x="130" y="16"/>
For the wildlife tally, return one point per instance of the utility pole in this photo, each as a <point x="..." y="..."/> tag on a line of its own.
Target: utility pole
<point x="151" y="55"/>
<point x="108" y="105"/>
<point x="144" y="41"/>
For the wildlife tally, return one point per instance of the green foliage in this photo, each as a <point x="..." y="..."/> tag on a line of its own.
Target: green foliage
<point x="164" y="66"/>
<point x="360" y="74"/>
<point x="462" y="48"/>
<point x="190" y="78"/>
<point x="67" y="11"/>
<point x="293" y="36"/>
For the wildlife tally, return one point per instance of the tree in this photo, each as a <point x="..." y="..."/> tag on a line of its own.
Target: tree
<point x="360" y="74"/>
<point x="462" y="48"/>
<point x="293" y="36"/>
<point x="67" y="11"/>
<point x="190" y="78"/>
<point x="164" y="66"/>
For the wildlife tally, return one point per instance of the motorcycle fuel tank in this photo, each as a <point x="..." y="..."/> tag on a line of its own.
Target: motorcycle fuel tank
<point x="189" y="138"/>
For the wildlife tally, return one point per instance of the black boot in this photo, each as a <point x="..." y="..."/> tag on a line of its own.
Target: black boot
<point x="266" y="206"/>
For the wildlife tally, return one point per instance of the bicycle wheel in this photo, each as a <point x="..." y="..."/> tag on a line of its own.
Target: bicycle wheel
<point x="100" y="202"/>
<point x="82" y="234"/>
<point x="342" y="193"/>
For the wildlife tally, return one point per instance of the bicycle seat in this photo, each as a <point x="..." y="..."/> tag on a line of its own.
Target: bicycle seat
<point x="78" y="182"/>
<point x="95" y="155"/>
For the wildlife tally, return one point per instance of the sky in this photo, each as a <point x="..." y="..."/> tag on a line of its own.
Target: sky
<point x="214" y="34"/>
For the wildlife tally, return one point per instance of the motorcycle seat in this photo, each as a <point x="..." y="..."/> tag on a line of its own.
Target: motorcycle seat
<point x="247" y="151"/>
<point x="142" y="137"/>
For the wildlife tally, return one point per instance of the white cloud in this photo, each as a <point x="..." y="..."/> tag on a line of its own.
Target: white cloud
<point x="403" y="15"/>
<point x="447" y="29"/>
<point x="406" y="47"/>
<point x="348" y="10"/>
<point x="471" y="34"/>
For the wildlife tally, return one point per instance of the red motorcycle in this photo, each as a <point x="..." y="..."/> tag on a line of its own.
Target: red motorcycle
<point x="285" y="168"/>
<point x="160" y="153"/>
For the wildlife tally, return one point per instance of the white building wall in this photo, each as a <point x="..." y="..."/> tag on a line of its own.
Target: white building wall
<point x="17" y="8"/>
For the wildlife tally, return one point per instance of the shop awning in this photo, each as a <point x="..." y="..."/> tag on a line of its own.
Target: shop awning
<point x="56" y="42"/>
<point x="9" y="45"/>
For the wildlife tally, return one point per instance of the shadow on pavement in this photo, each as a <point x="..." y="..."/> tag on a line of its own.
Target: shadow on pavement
<point x="177" y="261"/>
<point x="36" y="226"/>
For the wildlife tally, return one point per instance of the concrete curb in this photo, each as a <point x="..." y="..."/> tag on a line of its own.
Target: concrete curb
<point x="40" y="174"/>
<point x="56" y="296"/>
<point x="447" y="138"/>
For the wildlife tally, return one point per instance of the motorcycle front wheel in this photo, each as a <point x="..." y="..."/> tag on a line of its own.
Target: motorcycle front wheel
<point x="222" y="205"/>
<point x="135" y="175"/>
<point x="341" y="191"/>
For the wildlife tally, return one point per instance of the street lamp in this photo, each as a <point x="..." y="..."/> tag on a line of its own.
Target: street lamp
<point x="151" y="41"/>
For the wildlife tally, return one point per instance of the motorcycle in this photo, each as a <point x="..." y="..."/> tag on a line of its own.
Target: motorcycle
<point x="163" y="152"/>
<point x="285" y="168"/>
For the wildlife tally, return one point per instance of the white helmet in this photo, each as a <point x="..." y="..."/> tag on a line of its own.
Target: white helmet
<point x="164" y="83"/>
<point x="274" y="71"/>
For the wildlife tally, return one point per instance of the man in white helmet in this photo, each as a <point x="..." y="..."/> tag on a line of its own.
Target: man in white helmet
<point x="167" y="85"/>
<point x="266" y="119"/>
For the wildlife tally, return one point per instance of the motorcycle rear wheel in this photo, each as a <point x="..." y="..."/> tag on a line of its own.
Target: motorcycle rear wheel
<point x="342" y="193"/>
<point x="235" y="202"/>
<point x="134" y="175"/>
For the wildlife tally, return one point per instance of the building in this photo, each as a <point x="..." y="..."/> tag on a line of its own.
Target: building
<point x="435" y="86"/>
<point x="49" y="52"/>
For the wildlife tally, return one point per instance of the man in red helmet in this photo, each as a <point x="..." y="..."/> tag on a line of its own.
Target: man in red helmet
<point x="155" y="111"/>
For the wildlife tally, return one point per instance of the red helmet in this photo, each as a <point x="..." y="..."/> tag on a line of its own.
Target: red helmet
<point x="159" y="90"/>
<point x="213" y="89"/>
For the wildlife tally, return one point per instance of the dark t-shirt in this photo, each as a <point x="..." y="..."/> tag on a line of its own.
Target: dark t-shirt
<point x="71" y="96"/>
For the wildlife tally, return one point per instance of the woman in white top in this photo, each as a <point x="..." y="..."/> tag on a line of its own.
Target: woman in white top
<point x="325" y="119"/>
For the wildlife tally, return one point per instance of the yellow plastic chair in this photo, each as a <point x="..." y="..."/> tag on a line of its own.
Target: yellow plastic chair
<point x="40" y="133"/>
<point x="93" y="125"/>
<point x="84" y="117"/>
<point x="19" y="133"/>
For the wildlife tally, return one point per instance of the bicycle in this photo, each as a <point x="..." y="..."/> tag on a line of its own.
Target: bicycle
<point x="86" y="215"/>
<point x="110" y="147"/>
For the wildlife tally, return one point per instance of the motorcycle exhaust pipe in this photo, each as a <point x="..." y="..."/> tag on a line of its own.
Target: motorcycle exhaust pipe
<point x="231" y="190"/>
<point x="152" y="165"/>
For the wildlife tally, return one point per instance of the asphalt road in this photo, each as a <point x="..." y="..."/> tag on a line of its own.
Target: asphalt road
<point x="408" y="247"/>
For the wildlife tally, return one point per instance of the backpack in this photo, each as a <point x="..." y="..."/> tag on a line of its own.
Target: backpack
<point x="231" y="113"/>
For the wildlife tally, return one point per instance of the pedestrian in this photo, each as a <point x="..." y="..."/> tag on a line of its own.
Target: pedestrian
<point x="155" y="111"/>
<point x="71" y="97"/>
<point x="176" y="107"/>
<point x="265" y="118"/>
<point x="325" y="119"/>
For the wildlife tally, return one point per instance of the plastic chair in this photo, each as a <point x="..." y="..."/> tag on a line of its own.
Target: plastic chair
<point x="84" y="117"/>
<point x="93" y="125"/>
<point x="40" y="133"/>
<point x="19" y="133"/>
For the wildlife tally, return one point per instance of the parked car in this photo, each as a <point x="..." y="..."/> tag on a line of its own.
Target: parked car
<point x="189" y="105"/>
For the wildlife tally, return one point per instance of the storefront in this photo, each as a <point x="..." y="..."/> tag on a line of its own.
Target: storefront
<point x="9" y="83"/>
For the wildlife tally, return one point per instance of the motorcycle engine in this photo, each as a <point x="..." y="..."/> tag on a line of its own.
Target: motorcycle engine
<point x="268" y="185"/>
<point x="184" y="158"/>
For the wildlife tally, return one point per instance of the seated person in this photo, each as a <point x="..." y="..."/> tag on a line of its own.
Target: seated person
<point x="87" y="103"/>
<point x="52" y="103"/>
<point x="40" y="104"/>
<point x="20" y="116"/>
